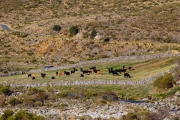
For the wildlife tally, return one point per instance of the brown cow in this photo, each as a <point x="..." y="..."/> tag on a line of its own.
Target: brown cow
<point x="60" y="73"/>
<point x="99" y="72"/>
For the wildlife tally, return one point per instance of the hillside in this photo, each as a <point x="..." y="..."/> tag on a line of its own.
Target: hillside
<point x="131" y="27"/>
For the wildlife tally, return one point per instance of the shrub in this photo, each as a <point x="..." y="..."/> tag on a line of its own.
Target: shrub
<point x="13" y="101"/>
<point x="73" y="30"/>
<point x="23" y="115"/>
<point x="85" y="35"/>
<point x="164" y="82"/>
<point x="32" y="91"/>
<point x="28" y="102"/>
<point x="38" y="103"/>
<point x="56" y="28"/>
<point x="5" y="90"/>
<point x="93" y="34"/>
<point x="6" y="114"/>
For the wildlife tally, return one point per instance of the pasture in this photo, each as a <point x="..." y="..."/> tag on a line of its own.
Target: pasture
<point x="140" y="70"/>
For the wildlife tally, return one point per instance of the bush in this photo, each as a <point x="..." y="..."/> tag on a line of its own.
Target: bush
<point x="93" y="34"/>
<point x="6" y="114"/>
<point x="73" y="30"/>
<point x="23" y="115"/>
<point x="5" y="90"/>
<point x="13" y="101"/>
<point x="56" y="28"/>
<point x="164" y="82"/>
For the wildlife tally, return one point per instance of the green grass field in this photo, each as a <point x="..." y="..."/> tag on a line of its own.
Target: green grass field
<point x="141" y="70"/>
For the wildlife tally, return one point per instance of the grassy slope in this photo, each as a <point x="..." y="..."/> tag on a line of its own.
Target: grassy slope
<point x="141" y="70"/>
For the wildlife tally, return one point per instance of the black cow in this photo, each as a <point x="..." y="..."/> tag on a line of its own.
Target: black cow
<point x="81" y="69"/>
<point x="72" y="71"/>
<point x="53" y="77"/>
<point x="56" y="73"/>
<point x="121" y="70"/>
<point x="29" y="75"/>
<point x="130" y="68"/>
<point x="96" y="71"/>
<point x="93" y="69"/>
<point x="43" y="75"/>
<point x="127" y="75"/>
<point x="115" y="73"/>
<point x="86" y="71"/>
<point x="75" y="69"/>
<point x="81" y="75"/>
<point x="67" y="73"/>
<point x="33" y="78"/>
<point x="110" y="70"/>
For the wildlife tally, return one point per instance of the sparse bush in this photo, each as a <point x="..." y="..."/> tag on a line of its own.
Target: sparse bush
<point x="73" y="30"/>
<point x="164" y="82"/>
<point x="32" y="91"/>
<point x="28" y="102"/>
<point x="56" y="28"/>
<point x="6" y="114"/>
<point x="13" y="101"/>
<point x="63" y="106"/>
<point x="23" y="115"/>
<point x="85" y="35"/>
<point x="38" y="103"/>
<point x="93" y="34"/>
<point x="5" y="90"/>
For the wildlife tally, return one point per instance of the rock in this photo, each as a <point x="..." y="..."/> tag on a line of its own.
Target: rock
<point x="177" y="95"/>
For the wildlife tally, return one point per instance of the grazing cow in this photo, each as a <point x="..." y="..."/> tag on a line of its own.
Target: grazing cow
<point x="127" y="75"/>
<point x="121" y="70"/>
<point x="56" y="73"/>
<point x="93" y="69"/>
<point x="29" y="75"/>
<point x="99" y="72"/>
<point x="115" y="73"/>
<point x="86" y="71"/>
<point x="81" y="69"/>
<point x="110" y="70"/>
<point x="53" y="77"/>
<point x="75" y="69"/>
<point x="123" y="66"/>
<point x="43" y="75"/>
<point x="60" y="73"/>
<point x="81" y="75"/>
<point x="67" y="73"/>
<point x="130" y="68"/>
<point x="33" y="78"/>
<point x="96" y="71"/>
<point x="72" y="71"/>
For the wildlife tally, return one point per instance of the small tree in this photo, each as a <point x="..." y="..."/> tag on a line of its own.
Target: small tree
<point x="56" y="28"/>
<point x="93" y="34"/>
<point x="73" y="30"/>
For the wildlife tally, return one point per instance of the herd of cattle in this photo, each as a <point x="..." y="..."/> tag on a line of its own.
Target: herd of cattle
<point x="114" y="72"/>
